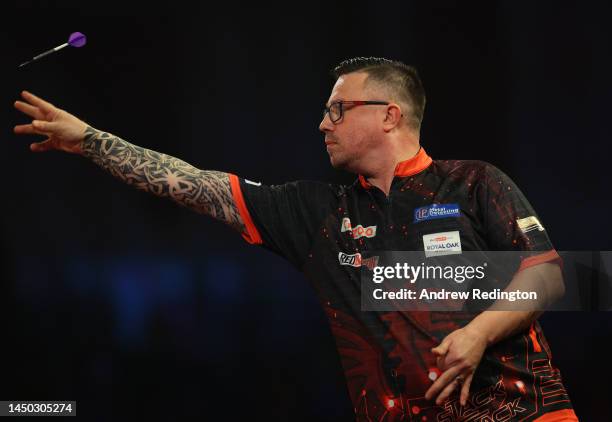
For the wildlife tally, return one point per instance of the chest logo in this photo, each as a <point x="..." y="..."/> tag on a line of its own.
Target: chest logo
<point x="359" y="231"/>
<point x="431" y="212"/>
<point x="447" y="243"/>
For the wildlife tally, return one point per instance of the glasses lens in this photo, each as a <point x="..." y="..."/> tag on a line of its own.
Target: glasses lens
<point x="335" y="111"/>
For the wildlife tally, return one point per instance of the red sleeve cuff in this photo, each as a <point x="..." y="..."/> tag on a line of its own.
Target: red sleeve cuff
<point x="550" y="256"/>
<point x="250" y="234"/>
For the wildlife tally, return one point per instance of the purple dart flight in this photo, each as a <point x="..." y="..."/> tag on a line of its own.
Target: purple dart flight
<point x="76" y="39"/>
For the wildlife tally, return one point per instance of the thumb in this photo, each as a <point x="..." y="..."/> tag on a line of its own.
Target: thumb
<point x="442" y="348"/>
<point x="41" y="146"/>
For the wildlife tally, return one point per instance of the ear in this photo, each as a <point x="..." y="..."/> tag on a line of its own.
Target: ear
<point x="393" y="117"/>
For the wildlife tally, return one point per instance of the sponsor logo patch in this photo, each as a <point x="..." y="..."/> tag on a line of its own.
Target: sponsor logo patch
<point x="359" y="231"/>
<point x="446" y="243"/>
<point x="528" y="224"/>
<point x="434" y="211"/>
<point x="355" y="260"/>
<point x="250" y="182"/>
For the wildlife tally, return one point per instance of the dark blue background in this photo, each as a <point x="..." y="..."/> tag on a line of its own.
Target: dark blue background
<point x="132" y="305"/>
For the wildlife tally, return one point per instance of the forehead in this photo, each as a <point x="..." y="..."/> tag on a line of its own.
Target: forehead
<point x="348" y="86"/>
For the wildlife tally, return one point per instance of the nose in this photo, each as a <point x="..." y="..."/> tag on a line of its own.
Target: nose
<point x="326" y="124"/>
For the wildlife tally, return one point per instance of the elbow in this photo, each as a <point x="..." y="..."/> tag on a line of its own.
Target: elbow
<point x="557" y="286"/>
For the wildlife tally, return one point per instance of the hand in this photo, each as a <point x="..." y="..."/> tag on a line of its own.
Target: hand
<point x="64" y="131"/>
<point x="458" y="356"/>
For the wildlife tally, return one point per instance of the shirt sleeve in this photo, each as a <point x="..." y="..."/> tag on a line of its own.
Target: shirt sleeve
<point x="511" y="222"/>
<point x="283" y="218"/>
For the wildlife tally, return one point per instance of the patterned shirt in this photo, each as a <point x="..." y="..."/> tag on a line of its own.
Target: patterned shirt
<point x="323" y="230"/>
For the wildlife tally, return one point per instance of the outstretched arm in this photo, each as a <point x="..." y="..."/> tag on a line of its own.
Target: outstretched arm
<point x="205" y="191"/>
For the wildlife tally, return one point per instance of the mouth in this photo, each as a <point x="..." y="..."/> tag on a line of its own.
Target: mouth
<point x="328" y="143"/>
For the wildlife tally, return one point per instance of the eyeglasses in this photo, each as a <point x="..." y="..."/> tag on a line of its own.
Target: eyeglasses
<point x="336" y="109"/>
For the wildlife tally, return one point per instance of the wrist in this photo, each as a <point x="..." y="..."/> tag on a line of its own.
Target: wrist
<point x="90" y="134"/>
<point x="479" y="328"/>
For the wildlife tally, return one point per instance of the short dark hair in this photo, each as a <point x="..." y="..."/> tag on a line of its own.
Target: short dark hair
<point x="402" y="79"/>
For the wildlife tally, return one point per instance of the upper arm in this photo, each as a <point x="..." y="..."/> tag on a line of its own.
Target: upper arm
<point x="283" y="218"/>
<point x="511" y="222"/>
<point x="213" y="196"/>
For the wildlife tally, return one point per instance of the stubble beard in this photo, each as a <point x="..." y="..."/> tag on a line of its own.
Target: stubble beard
<point x="342" y="161"/>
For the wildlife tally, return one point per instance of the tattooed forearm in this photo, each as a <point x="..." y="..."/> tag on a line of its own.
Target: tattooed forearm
<point x="207" y="192"/>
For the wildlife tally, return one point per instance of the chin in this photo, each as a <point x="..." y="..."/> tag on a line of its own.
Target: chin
<point x="335" y="163"/>
<point x="340" y="165"/>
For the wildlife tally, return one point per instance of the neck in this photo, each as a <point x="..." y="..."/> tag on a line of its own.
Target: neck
<point x="382" y="177"/>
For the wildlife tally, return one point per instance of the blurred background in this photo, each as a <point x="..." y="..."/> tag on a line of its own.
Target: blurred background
<point x="136" y="307"/>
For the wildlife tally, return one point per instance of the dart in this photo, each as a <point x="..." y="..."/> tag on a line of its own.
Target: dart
<point x="76" y="39"/>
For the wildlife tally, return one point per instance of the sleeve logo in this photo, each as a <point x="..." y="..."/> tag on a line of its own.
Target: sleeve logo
<point x="528" y="224"/>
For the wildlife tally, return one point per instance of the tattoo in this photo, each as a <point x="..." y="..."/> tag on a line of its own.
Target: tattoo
<point x="207" y="192"/>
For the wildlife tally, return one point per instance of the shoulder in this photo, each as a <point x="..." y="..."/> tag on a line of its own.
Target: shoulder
<point x="462" y="168"/>
<point x="310" y="187"/>
<point x="298" y="193"/>
<point x="465" y="167"/>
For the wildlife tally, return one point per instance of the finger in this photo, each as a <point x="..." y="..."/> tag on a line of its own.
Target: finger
<point x="24" y="130"/>
<point x="38" y="102"/>
<point x="27" y="130"/>
<point x="41" y="146"/>
<point x="442" y="381"/>
<point x="448" y="390"/>
<point x="42" y="126"/>
<point x="465" y="389"/>
<point x="31" y="111"/>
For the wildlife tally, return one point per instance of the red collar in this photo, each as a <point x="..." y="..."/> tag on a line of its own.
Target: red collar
<point x="411" y="166"/>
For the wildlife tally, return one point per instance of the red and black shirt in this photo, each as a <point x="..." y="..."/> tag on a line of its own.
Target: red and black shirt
<point x="323" y="229"/>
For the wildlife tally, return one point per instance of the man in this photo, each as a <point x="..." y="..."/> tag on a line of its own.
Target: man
<point x="494" y="365"/>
